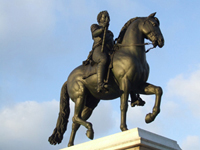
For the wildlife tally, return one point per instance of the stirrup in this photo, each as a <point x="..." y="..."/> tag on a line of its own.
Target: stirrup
<point x="102" y="87"/>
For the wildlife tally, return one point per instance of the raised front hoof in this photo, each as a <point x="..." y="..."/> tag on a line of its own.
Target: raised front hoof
<point x="90" y="134"/>
<point x="70" y="144"/>
<point x="149" y="118"/>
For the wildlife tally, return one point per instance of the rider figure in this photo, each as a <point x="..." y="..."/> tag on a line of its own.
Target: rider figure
<point x="101" y="57"/>
<point x="103" y="43"/>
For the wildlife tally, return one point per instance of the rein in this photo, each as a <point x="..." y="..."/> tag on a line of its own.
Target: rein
<point x="123" y="45"/>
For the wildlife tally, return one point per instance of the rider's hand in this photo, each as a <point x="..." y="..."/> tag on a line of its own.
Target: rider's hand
<point x="105" y="24"/>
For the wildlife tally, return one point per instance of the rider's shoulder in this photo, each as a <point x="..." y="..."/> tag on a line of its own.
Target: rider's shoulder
<point x="94" y="27"/>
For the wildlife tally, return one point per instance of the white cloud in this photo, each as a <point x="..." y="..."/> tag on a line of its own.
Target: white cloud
<point x="28" y="125"/>
<point x="170" y="108"/>
<point x="187" y="87"/>
<point x="191" y="143"/>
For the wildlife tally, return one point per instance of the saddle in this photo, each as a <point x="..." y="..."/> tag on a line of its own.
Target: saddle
<point x="89" y="70"/>
<point x="90" y="67"/>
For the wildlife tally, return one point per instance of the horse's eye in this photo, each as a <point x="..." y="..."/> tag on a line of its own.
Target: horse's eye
<point x="155" y="24"/>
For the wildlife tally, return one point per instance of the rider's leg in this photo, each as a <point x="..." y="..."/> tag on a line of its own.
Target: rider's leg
<point x="101" y="71"/>
<point x="102" y="59"/>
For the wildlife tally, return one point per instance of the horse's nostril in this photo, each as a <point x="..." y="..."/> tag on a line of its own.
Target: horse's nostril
<point x="162" y="40"/>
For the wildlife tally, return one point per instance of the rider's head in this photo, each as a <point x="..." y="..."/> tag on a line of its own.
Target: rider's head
<point x="102" y="17"/>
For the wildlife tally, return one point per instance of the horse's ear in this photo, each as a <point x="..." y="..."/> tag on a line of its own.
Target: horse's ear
<point x="152" y="15"/>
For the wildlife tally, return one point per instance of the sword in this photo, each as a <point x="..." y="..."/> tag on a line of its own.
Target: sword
<point x="104" y="37"/>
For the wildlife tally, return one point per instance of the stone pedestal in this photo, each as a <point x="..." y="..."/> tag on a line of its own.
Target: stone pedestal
<point x="134" y="139"/>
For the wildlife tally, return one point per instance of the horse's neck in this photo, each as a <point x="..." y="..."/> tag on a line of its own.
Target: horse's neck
<point x="133" y="42"/>
<point x="134" y="39"/>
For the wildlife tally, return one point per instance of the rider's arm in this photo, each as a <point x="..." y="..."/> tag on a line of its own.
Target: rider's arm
<point x="96" y="30"/>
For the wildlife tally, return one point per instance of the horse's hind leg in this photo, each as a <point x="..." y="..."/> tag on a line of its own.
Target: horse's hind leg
<point x="86" y="113"/>
<point x="78" y="119"/>
<point x="152" y="89"/>
<point x="78" y="95"/>
<point x="75" y="126"/>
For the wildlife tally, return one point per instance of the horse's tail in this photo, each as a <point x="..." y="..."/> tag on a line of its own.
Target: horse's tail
<point x="62" y="121"/>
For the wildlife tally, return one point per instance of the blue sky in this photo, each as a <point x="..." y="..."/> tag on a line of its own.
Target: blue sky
<point x="41" y="42"/>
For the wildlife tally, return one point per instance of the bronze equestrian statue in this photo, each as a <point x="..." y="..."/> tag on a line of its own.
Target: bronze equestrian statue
<point x="128" y="75"/>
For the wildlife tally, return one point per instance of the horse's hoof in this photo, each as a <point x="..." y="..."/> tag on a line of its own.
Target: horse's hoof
<point x="55" y="138"/>
<point x="90" y="134"/>
<point x="149" y="118"/>
<point x="123" y="128"/>
<point x="70" y="144"/>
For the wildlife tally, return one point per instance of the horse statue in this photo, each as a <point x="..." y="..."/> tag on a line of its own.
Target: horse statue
<point x="128" y="75"/>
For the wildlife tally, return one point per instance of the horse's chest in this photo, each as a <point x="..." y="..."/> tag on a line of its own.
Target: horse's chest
<point x="138" y="72"/>
<point x="131" y="67"/>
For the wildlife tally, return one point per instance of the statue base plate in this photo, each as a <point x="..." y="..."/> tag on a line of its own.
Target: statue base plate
<point x="134" y="139"/>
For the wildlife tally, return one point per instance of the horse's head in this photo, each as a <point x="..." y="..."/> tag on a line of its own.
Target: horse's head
<point x="151" y="30"/>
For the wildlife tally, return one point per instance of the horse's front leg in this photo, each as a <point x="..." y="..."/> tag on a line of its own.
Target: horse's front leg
<point x="152" y="89"/>
<point x="124" y="103"/>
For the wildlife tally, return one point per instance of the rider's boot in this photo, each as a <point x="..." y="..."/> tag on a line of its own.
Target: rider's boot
<point x="136" y="100"/>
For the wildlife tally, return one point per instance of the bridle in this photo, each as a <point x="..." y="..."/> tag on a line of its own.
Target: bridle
<point x="124" y="45"/>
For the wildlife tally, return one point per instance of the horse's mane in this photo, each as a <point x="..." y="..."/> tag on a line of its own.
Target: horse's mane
<point x="123" y="30"/>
